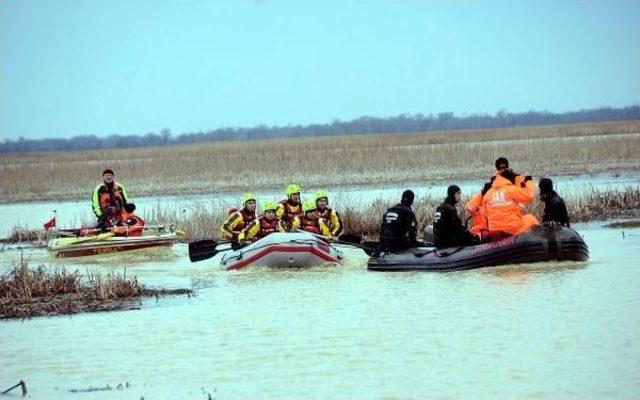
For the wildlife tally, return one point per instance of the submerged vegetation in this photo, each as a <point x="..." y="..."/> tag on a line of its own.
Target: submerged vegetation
<point x="324" y="162"/>
<point x="29" y="292"/>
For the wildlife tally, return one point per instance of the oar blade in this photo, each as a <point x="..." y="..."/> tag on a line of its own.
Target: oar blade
<point x="202" y="249"/>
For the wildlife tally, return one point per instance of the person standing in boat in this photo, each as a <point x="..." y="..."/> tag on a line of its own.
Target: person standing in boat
<point x="554" y="208"/>
<point x="130" y="224"/>
<point x="267" y="224"/>
<point x="310" y="221"/>
<point x="503" y="205"/>
<point x="290" y="208"/>
<point x="330" y="216"/>
<point x="240" y="219"/>
<point x="448" y="229"/>
<point x="108" y="200"/>
<point x="399" y="227"/>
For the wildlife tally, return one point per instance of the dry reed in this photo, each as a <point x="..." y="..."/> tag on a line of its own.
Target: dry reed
<point x="324" y="162"/>
<point x="29" y="292"/>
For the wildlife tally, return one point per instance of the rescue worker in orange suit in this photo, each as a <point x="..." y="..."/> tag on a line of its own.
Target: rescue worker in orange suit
<point x="502" y="205"/>
<point x="477" y="212"/>
<point x="310" y="222"/>
<point x="448" y="230"/>
<point x="267" y="224"/>
<point x="291" y="207"/>
<point x="240" y="219"/>
<point x="130" y="224"/>
<point x="555" y="211"/>
<point x="108" y="200"/>
<point x="328" y="215"/>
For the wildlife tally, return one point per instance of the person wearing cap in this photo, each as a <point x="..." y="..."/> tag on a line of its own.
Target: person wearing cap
<point x="310" y="222"/>
<point x="129" y="223"/>
<point x="238" y="220"/>
<point x="291" y="207"/>
<point x="502" y="205"/>
<point x="330" y="216"/>
<point x="267" y="224"/>
<point x="108" y="200"/>
<point x="399" y="227"/>
<point x="554" y="208"/>
<point x="448" y="229"/>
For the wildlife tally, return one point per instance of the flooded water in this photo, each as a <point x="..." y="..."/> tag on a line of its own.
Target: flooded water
<point x="70" y="214"/>
<point x="538" y="331"/>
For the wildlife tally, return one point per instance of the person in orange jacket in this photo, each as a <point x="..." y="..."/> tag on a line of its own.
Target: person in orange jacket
<point x="477" y="212"/>
<point x="502" y="205"/>
<point x="130" y="224"/>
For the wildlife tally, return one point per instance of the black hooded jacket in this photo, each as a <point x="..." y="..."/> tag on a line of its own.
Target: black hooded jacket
<point x="399" y="227"/>
<point x="448" y="230"/>
<point x="554" y="208"/>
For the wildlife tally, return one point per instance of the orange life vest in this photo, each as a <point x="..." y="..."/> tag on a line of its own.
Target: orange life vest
<point x="132" y="225"/>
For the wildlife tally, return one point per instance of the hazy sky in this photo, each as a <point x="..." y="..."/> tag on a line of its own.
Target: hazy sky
<point x="132" y="67"/>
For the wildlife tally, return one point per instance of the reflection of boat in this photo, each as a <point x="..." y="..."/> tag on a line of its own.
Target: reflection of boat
<point x="541" y="244"/>
<point x="294" y="250"/>
<point x="96" y="245"/>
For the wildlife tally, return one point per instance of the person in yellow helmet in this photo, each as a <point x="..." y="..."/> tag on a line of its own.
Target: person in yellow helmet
<point x="238" y="220"/>
<point x="330" y="216"/>
<point x="290" y="208"/>
<point x="267" y="224"/>
<point x="310" y="222"/>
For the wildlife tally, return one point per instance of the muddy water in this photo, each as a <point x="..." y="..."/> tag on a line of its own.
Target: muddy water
<point x="72" y="214"/>
<point x="543" y="331"/>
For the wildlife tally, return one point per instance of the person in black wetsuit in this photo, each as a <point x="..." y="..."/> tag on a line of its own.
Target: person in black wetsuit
<point x="448" y="229"/>
<point x="399" y="226"/>
<point x="554" y="208"/>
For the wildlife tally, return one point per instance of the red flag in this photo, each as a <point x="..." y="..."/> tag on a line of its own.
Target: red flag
<point x="50" y="224"/>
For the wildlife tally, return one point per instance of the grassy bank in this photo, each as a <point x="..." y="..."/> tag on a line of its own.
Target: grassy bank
<point x="324" y="162"/>
<point x="39" y="292"/>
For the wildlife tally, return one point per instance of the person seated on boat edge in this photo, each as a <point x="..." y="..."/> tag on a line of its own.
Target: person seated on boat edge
<point x="291" y="207"/>
<point x="448" y="229"/>
<point x="130" y="224"/>
<point x="328" y="215"/>
<point x="478" y="214"/>
<point x="267" y="224"/>
<point x="238" y="220"/>
<point x="310" y="221"/>
<point x="108" y="198"/>
<point x="554" y="208"/>
<point x="502" y="204"/>
<point x="399" y="227"/>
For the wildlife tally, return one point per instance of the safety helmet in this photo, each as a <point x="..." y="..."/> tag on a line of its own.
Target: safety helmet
<point x="322" y="194"/>
<point x="269" y="206"/>
<point x="293" y="189"/>
<point x="308" y="206"/>
<point x="248" y="197"/>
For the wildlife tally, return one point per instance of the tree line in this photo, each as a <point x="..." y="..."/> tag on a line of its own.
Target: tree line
<point x="404" y="123"/>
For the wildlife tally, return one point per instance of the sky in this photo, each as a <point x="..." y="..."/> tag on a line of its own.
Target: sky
<point x="132" y="67"/>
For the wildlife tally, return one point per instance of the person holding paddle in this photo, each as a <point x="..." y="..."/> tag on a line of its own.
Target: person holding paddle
<point x="238" y="220"/>
<point x="310" y="222"/>
<point x="108" y="200"/>
<point x="267" y="224"/>
<point x="330" y="216"/>
<point x="290" y="208"/>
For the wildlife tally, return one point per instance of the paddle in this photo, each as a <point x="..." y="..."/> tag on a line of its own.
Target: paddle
<point x="102" y="236"/>
<point x="204" y="249"/>
<point x="348" y="239"/>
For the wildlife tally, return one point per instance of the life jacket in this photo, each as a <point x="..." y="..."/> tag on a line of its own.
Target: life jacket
<point x="113" y="199"/>
<point x="310" y="225"/>
<point x="247" y="218"/>
<point x="131" y="225"/>
<point x="290" y="212"/>
<point x="267" y="227"/>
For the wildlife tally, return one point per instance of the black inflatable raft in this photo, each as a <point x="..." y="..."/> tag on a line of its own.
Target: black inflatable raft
<point x="541" y="244"/>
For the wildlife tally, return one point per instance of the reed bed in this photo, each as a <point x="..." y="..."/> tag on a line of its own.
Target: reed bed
<point x="29" y="292"/>
<point x="324" y="162"/>
<point x="594" y="204"/>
